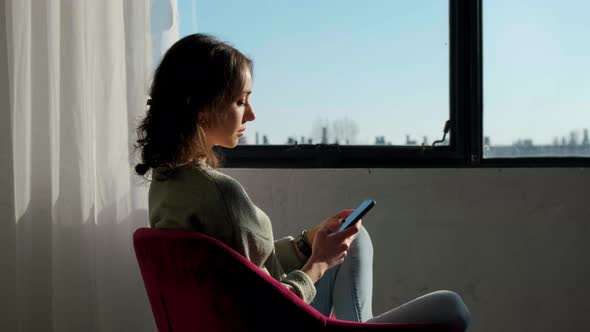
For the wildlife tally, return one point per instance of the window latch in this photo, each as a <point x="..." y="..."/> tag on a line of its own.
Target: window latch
<point x="445" y="132"/>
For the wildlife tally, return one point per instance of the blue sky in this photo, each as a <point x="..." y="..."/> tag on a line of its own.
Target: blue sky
<point x="384" y="65"/>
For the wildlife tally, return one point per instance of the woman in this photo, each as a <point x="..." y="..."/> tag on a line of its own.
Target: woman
<point x="199" y="99"/>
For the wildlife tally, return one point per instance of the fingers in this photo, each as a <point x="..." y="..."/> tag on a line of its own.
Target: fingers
<point x="357" y="226"/>
<point x="325" y="230"/>
<point x="334" y="223"/>
<point x="340" y="236"/>
<point x="332" y="226"/>
<point x="345" y="246"/>
<point x="343" y="213"/>
<point x="337" y="219"/>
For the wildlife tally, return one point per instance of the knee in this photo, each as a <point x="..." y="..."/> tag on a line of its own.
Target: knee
<point x="363" y="234"/>
<point x="363" y="240"/>
<point x="452" y="303"/>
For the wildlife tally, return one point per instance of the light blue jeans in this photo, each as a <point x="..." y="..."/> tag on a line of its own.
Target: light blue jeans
<point x="347" y="290"/>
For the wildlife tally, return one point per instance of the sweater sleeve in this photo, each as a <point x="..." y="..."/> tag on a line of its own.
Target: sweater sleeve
<point x="301" y="284"/>
<point x="253" y="239"/>
<point x="287" y="256"/>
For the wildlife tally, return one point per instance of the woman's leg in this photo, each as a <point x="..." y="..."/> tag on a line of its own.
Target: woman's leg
<point x="443" y="307"/>
<point x="347" y="289"/>
<point x="322" y="301"/>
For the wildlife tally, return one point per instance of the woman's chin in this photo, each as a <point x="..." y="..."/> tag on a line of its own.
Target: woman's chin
<point x="229" y="145"/>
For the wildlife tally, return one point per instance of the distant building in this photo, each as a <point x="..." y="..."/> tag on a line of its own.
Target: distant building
<point x="573" y="138"/>
<point x="559" y="147"/>
<point x="524" y="143"/>
<point x="410" y="141"/>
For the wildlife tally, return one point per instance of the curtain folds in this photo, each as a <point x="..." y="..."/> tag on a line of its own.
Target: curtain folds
<point x="74" y="76"/>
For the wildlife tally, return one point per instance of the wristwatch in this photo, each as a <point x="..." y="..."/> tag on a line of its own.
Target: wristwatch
<point x="302" y="244"/>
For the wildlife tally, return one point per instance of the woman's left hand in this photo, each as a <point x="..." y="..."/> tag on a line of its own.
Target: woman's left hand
<point x="310" y="235"/>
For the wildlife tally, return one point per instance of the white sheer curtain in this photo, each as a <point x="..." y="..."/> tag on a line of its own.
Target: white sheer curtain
<point x="74" y="76"/>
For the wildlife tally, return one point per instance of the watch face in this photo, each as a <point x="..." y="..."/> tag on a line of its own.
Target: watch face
<point x="303" y="247"/>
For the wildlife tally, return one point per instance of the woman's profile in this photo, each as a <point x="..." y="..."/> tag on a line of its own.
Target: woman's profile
<point x="200" y="98"/>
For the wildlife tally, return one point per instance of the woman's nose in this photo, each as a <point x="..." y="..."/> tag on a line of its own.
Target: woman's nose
<point x="250" y="116"/>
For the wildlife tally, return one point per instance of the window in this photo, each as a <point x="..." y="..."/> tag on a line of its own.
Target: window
<point x="372" y="84"/>
<point x="536" y="78"/>
<point x="338" y="72"/>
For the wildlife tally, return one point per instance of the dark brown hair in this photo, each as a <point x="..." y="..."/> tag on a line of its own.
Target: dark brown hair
<point x="197" y="74"/>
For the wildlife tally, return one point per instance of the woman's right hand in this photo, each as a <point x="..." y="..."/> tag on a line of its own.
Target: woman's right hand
<point x="329" y="247"/>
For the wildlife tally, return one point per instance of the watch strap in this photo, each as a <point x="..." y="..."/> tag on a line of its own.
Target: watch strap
<point x="302" y="245"/>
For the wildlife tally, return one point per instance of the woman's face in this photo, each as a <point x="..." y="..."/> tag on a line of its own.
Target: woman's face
<point x="234" y="118"/>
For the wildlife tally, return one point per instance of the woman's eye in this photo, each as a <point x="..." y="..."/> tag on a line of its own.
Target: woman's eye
<point x="241" y="103"/>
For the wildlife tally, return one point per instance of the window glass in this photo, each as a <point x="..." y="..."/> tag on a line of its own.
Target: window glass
<point x="337" y="71"/>
<point x="536" y="78"/>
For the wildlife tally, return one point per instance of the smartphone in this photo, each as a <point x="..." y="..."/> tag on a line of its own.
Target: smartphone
<point x="357" y="214"/>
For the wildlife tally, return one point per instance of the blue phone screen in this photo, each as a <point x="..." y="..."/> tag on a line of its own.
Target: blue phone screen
<point x="357" y="213"/>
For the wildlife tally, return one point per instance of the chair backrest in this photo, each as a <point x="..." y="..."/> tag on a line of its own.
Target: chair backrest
<point x="197" y="283"/>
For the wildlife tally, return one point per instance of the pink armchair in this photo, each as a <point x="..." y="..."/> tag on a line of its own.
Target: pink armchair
<point x="197" y="283"/>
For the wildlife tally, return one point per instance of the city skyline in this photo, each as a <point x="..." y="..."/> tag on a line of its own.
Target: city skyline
<point x="572" y="140"/>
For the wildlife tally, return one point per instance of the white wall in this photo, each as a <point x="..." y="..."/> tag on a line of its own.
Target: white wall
<point x="514" y="243"/>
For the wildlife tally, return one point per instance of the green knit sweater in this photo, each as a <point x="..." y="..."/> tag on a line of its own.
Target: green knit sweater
<point x="210" y="202"/>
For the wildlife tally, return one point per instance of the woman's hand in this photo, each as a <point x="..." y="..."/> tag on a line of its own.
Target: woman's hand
<point x="329" y="246"/>
<point x="310" y="235"/>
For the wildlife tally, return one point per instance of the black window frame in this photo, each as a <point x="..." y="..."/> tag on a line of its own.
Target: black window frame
<point x="465" y="147"/>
